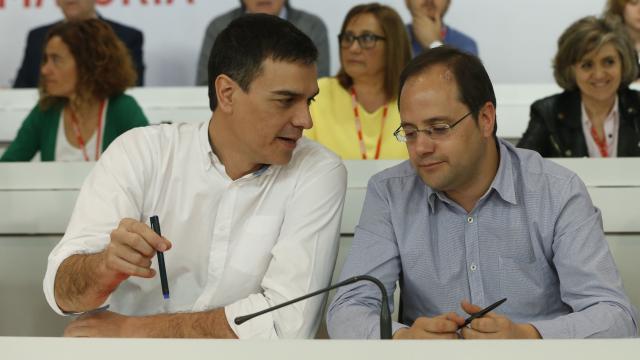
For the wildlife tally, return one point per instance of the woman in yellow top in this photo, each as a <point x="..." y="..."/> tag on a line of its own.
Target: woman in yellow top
<point x="355" y="113"/>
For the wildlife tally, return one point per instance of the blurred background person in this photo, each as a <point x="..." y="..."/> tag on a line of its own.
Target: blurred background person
<point x="308" y="23"/>
<point x="427" y="28"/>
<point x="597" y="115"/>
<point x="355" y="113"/>
<point x="82" y="108"/>
<point x="627" y="11"/>
<point x="29" y="72"/>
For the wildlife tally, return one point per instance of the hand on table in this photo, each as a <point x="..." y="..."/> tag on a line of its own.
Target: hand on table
<point x="444" y="326"/>
<point x="495" y="326"/>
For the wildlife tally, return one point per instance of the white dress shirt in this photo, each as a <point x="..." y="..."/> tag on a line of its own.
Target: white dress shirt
<point x="611" y="126"/>
<point x="244" y="245"/>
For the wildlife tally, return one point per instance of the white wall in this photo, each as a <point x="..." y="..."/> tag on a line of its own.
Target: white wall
<point x="516" y="37"/>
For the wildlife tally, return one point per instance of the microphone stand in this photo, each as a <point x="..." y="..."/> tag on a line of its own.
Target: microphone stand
<point x="385" y="315"/>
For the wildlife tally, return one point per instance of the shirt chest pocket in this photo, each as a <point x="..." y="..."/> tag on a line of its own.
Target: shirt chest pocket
<point x="251" y="250"/>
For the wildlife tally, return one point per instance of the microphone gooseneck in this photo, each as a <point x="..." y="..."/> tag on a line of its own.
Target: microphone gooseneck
<point x="385" y="314"/>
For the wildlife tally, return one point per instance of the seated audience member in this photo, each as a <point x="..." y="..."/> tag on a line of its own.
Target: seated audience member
<point x="469" y="220"/>
<point x="29" y="72"/>
<point x="355" y="113"/>
<point x="308" y="23"/>
<point x="82" y="106"/>
<point x="250" y="211"/>
<point x="597" y="115"/>
<point x="627" y="11"/>
<point x="427" y="29"/>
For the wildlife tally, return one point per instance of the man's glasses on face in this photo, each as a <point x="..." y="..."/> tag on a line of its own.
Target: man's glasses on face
<point x="440" y="131"/>
<point x="366" y="40"/>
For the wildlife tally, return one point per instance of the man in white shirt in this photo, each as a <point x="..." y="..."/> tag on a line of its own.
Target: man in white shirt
<point x="249" y="210"/>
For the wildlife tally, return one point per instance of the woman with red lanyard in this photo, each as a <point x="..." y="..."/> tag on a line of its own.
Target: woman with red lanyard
<point x="355" y="113"/>
<point x="597" y="115"/>
<point x="82" y="108"/>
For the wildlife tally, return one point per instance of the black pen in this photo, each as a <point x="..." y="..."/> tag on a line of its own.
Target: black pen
<point x="482" y="312"/>
<point x="155" y="225"/>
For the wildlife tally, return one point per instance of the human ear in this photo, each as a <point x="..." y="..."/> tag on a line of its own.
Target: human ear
<point x="225" y="88"/>
<point x="487" y="119"/>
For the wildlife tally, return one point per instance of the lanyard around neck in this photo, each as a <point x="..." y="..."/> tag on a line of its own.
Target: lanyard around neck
<point x="356" y="114"/>
<point x="76" y="130"/>
<point x="601" y="143"/>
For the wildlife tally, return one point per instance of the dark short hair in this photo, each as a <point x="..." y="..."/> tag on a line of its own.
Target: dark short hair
<point x="397" y="50"/>
<point x="248" y="41"/>
<point x="103" y="63"/>
<point x="244" y="7"/>
<point x="474" y="85"/>
<point x="586" y="35"/>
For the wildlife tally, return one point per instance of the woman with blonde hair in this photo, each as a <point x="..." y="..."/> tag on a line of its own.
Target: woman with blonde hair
<point x="82" y="108"/>
<point x="355" y="113"/>
<point x="597" y="115"/>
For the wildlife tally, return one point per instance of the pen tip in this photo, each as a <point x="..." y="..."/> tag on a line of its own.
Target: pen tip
<point x="166" y="296"/>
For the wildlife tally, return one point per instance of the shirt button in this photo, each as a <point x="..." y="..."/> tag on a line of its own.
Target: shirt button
<point x="470" y="220"/>
<point x="473" y="267"/>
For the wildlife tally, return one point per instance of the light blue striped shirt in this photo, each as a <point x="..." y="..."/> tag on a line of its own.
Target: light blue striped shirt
<point x="534" y="237"/>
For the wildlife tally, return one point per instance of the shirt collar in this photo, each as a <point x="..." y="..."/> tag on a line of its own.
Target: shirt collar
<point x="283" y="13"/>
<point x="503" y="182"/>
<point x="210" y="159"/>
<point x="611" y="116"/>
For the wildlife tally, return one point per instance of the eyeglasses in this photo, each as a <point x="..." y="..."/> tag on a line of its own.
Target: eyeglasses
<point x="366" y="40"/>
<point x="409" y="133"/>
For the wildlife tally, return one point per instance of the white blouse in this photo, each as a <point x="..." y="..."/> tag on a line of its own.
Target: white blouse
<point x="67" y="152"/>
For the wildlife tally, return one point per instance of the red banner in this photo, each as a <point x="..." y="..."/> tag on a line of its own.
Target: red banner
<point x="38" y="3"/>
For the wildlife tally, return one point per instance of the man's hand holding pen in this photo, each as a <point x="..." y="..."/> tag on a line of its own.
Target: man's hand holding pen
<point x="481" y="324"/>
<point x="495" y="326"/>
<point x="129" y="253"/>
<point x="133" y="245"/>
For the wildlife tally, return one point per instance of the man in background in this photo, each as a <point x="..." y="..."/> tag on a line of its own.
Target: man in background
<point x="428" y="30"/>
<point x="29" y="73"/>
<point x="309" y="24"/>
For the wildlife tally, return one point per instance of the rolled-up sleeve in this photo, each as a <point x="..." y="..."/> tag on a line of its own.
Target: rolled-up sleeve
<point x="103" y="200"/>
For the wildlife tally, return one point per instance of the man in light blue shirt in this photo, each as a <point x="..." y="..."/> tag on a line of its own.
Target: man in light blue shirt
<point x="469" y="220"/>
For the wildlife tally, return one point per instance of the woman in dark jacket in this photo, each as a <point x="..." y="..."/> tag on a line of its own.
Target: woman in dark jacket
<point x="597" y="115"/>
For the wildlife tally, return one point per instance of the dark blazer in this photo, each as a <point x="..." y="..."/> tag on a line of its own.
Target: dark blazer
<point x="555" y="127"/>
<point x="29" y="73"/>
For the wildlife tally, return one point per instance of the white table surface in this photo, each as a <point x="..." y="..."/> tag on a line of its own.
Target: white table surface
<point x="177" y="349"/>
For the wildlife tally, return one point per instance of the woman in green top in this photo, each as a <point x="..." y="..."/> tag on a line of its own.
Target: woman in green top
<point x="82" y="108"/>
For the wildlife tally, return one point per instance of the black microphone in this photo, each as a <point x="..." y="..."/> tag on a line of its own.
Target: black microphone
<point x="385" y="314"/>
